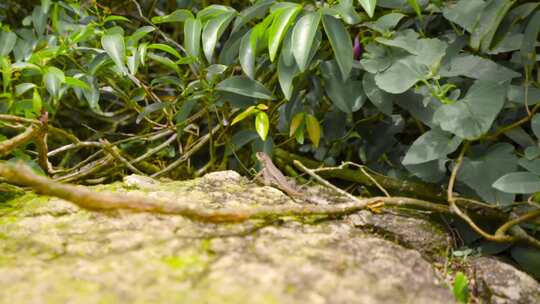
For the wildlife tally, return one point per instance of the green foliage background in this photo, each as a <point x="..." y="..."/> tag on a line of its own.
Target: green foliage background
<point x="183" y="87"/>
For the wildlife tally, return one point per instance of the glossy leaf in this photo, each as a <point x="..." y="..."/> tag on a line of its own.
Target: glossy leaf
<point x="179" y="15"/>
<point x="246" y="113"/>
<point x="262" y="125"/>
<point x="113" y="44"/>
<point x="341" y="44"/>
<point x="22" y="88"/>
<point x="303" y="37"/>
<point x="296" y="123"/>
<point x="314" y="129"/>
<point x="283" y="19"/>
<point x="165" y="48"/>
<point x="212" y="31"/>
<point x="77" y="83"/>
<point x="245" y="86"/>
<point x="140" y="33"/>
<point x="192" y="36"/>
<point x="53" y="79"/>
<point x="257" y="10"/>
<point x="368" y="6"/>
<point x="7" y="42"/>
<point x="345" y="95"/>
<point x="37" y="102"/>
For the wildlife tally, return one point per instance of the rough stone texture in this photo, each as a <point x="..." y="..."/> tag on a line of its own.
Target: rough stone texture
<point x="501" y="283"/>
<point x="53" y="252"/>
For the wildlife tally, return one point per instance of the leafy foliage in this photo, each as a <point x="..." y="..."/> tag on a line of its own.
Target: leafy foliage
<point x="401" y="86"/>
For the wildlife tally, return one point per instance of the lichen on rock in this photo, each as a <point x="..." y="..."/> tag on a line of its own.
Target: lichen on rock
<point x="53" y="252"/>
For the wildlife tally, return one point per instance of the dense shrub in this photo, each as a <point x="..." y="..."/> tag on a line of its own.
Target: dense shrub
<point x="411" y="89"/>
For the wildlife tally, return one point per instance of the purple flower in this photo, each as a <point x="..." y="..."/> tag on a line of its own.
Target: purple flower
<point x="357" y="49"/>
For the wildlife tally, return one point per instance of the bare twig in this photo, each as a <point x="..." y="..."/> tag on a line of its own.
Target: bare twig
<point x="113" y="150"/>
<point x="324" y="182"/>
<point x="196" y="147"/>
<point x="83" y="197"/>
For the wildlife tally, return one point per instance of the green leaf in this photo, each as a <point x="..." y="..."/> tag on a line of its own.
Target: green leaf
<point x="528" y="258"/>
<point x="184" y="111"/>
<point x="341" y="44"/>
<point x="149" y="109"/>
<point x="54" y="78"/>
<point x="286" y="74"/>
<point x="314" y="129"/>
<point x="345" y="95"/>
<point x="257" y="10"/>
<point x="385" y="23"/>
<point x="246" y="113"/>
<point x="516" y="93"/>
<point x="192" y="36"/>
<point x="481" y="171"/>
<point x="401" y="75"/>
<point x="179" y="15"/>
<point x="77" y="83"/>
<point x="240" y="139"/>
<point x="461" y="288"/>
<point x="303" y="36"/>
<point x="7" y="42"/>
<point x="39" y="20"/>
<point x="348" y="12"/>
<point x="416" y="7"/>
<point x="113" y="44"/>
<point x="37" y="103"/>
<point x="250" y="45"/>
<point x="248" y="52"/>
<point x="465" y="13"/>
<point x="283" y="19"/>
<point x="165" y="61"/>
<point x="518" y="182"/>
<point x="477" y="67"/>
<point x="262" y="125"/>
<point x="368" y="6"/>
<point x="472" y="116"/>
<point x="296" y="123"/>
<point x="115" y="18"/>
<point x="535" y="125"/>
<point x="22" y="88"/>
<point x="381" y="99"/>
<point x="6" y="70"/>
<point x="133" y="40"/>
<point x="432" y="145"/>
<point x="528" y="47"/>
<point x="245" y="86"/>
<point x="532" y="166"/>
<point x="213" y="30"/>
<point x="165" y="48"/>
<point x="484" y="31"/>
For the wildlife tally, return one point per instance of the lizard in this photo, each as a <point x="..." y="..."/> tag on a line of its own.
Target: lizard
<point x="272" y="176"/>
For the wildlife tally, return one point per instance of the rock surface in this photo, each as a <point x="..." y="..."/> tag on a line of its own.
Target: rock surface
<point x="53" y="252"/>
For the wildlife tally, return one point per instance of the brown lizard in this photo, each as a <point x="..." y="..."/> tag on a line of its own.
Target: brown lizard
<point x="271" y="176"/>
